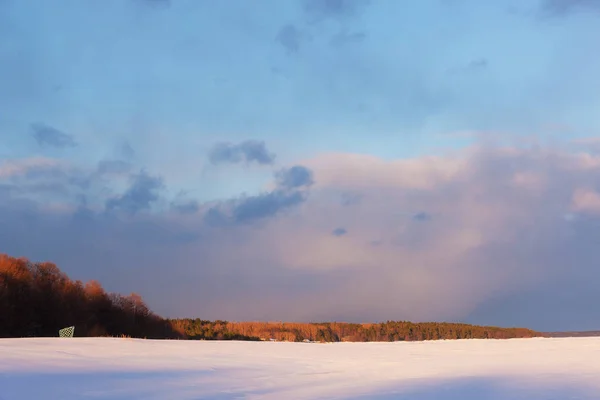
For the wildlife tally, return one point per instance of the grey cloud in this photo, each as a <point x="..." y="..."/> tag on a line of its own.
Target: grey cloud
<point x="343" y="38"/>
<point x="184" y="205"/>
<point x="82" y="215"/>
<point x="339" y="232"/>
<point x="479" y="63"/>
<point x="186" y="237"/>
<point x="181" y="268"/>
<point x="566" y="7"/>
<point x="422" y="216"/>
<point x="294" y="177"/>
<point x="247" y="151"/>
<point x="82" y="181"/>
<point x="318" y="10"/>
<point x="42" y="188"/>
<point x="266" y="205"/>
<point x="88" y="245"/>
<point x="127" y="151"/>
<point x="214" y="216"/>
<point x="562" y="292"/>
<point x="155" y="3"/>
<point x="114" y="167"/>
<point x="5" y="191"/>
<point x="292" y="184"/>
<point x="188" y="207"/>
<point x="253" y="208"/>
<point x="47" y="135"/>
<point x="290" y="38"/>
<point x="590" y="145"/>
<point x="34" y="179"/>
<point x="143" y="191"/>
<point x="349" y="199"/>
<point x="471" y="67"/>
<point x="567" y="296"/>
<point x="51" y="172"/>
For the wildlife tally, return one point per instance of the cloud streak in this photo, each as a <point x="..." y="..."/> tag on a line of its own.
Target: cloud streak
<point x="247" y="151"/>
<point x="114" y="167"/>
<point x="339" y="232"/>
<point x="319" y="10"/>
<point x="291" y="187"/>
<point x="265" y="205"/>
<point x="46" y="135"/>
<point x="566" y="7"/>
<point x="139" y="196"/>
<point x="290" y="38"/>
<point x="294" y="177"/>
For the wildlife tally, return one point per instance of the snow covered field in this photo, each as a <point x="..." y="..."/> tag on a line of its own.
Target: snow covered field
<point x="82" y="368"/>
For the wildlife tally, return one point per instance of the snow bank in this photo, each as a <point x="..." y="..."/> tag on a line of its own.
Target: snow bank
<point x="100" y="368"/>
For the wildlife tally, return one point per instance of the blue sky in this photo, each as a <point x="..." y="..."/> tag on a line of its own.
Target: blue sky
<point x="111" y="111"/>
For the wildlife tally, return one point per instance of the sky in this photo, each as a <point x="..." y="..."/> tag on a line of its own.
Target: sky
<point x="349" y="160"/>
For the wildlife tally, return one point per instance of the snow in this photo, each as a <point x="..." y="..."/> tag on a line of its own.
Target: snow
<point x="103" y="368"/>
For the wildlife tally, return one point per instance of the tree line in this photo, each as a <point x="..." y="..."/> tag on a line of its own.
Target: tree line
<point x="37" y="299"/>
<point x="389" y="331"/>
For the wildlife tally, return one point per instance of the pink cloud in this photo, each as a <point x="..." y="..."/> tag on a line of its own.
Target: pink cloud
<point x="586" y="201"/>
<point x="17" y="167"/>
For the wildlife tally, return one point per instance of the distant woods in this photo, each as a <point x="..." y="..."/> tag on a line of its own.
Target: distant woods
<point x="37" y="299"/>
<point x="390" y="331"/>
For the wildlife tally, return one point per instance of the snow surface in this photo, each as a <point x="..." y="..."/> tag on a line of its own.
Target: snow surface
<point x="101" y="368"/>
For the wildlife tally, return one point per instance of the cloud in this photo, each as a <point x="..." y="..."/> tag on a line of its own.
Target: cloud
<point x="214" y="216"/>
<point x="36" y="177"/>
<point x="127" y="151"/>
<point x="290" y="38"/>
<point x="348" y="199"/>
<point x="318" y="10"/>
<point x="290" y="191"/>
<point x="566" y="7"/>
<point x="114" y="167"/>
<point x="187" y="207"/>
<point x="343" y="38"/>
<point x="472" y="66"/>
<point x="339" y="232"/>
<point x="478" y="63"/>
<point x="499" y="230"/>
<point x="140" y="195"/>
<point x="421" y="216"/>
<point x="46" y="135"/>
<point x="589" y="144"/>
<point x="156" y="3"/>
<point x="294" y="177"/>
<point x="247" y="151"/>
<point x="265" y="205"/>
<point x="20" y="167"/>
<point x="499" y="233"/>
<point x="587" y="201"/>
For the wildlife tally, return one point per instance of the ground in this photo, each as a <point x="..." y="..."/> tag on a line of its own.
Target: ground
<point x="102" y="368"/>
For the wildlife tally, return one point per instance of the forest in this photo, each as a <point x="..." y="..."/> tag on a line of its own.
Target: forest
<point x="37" y="299"/>
<point x="389" y="331"/>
